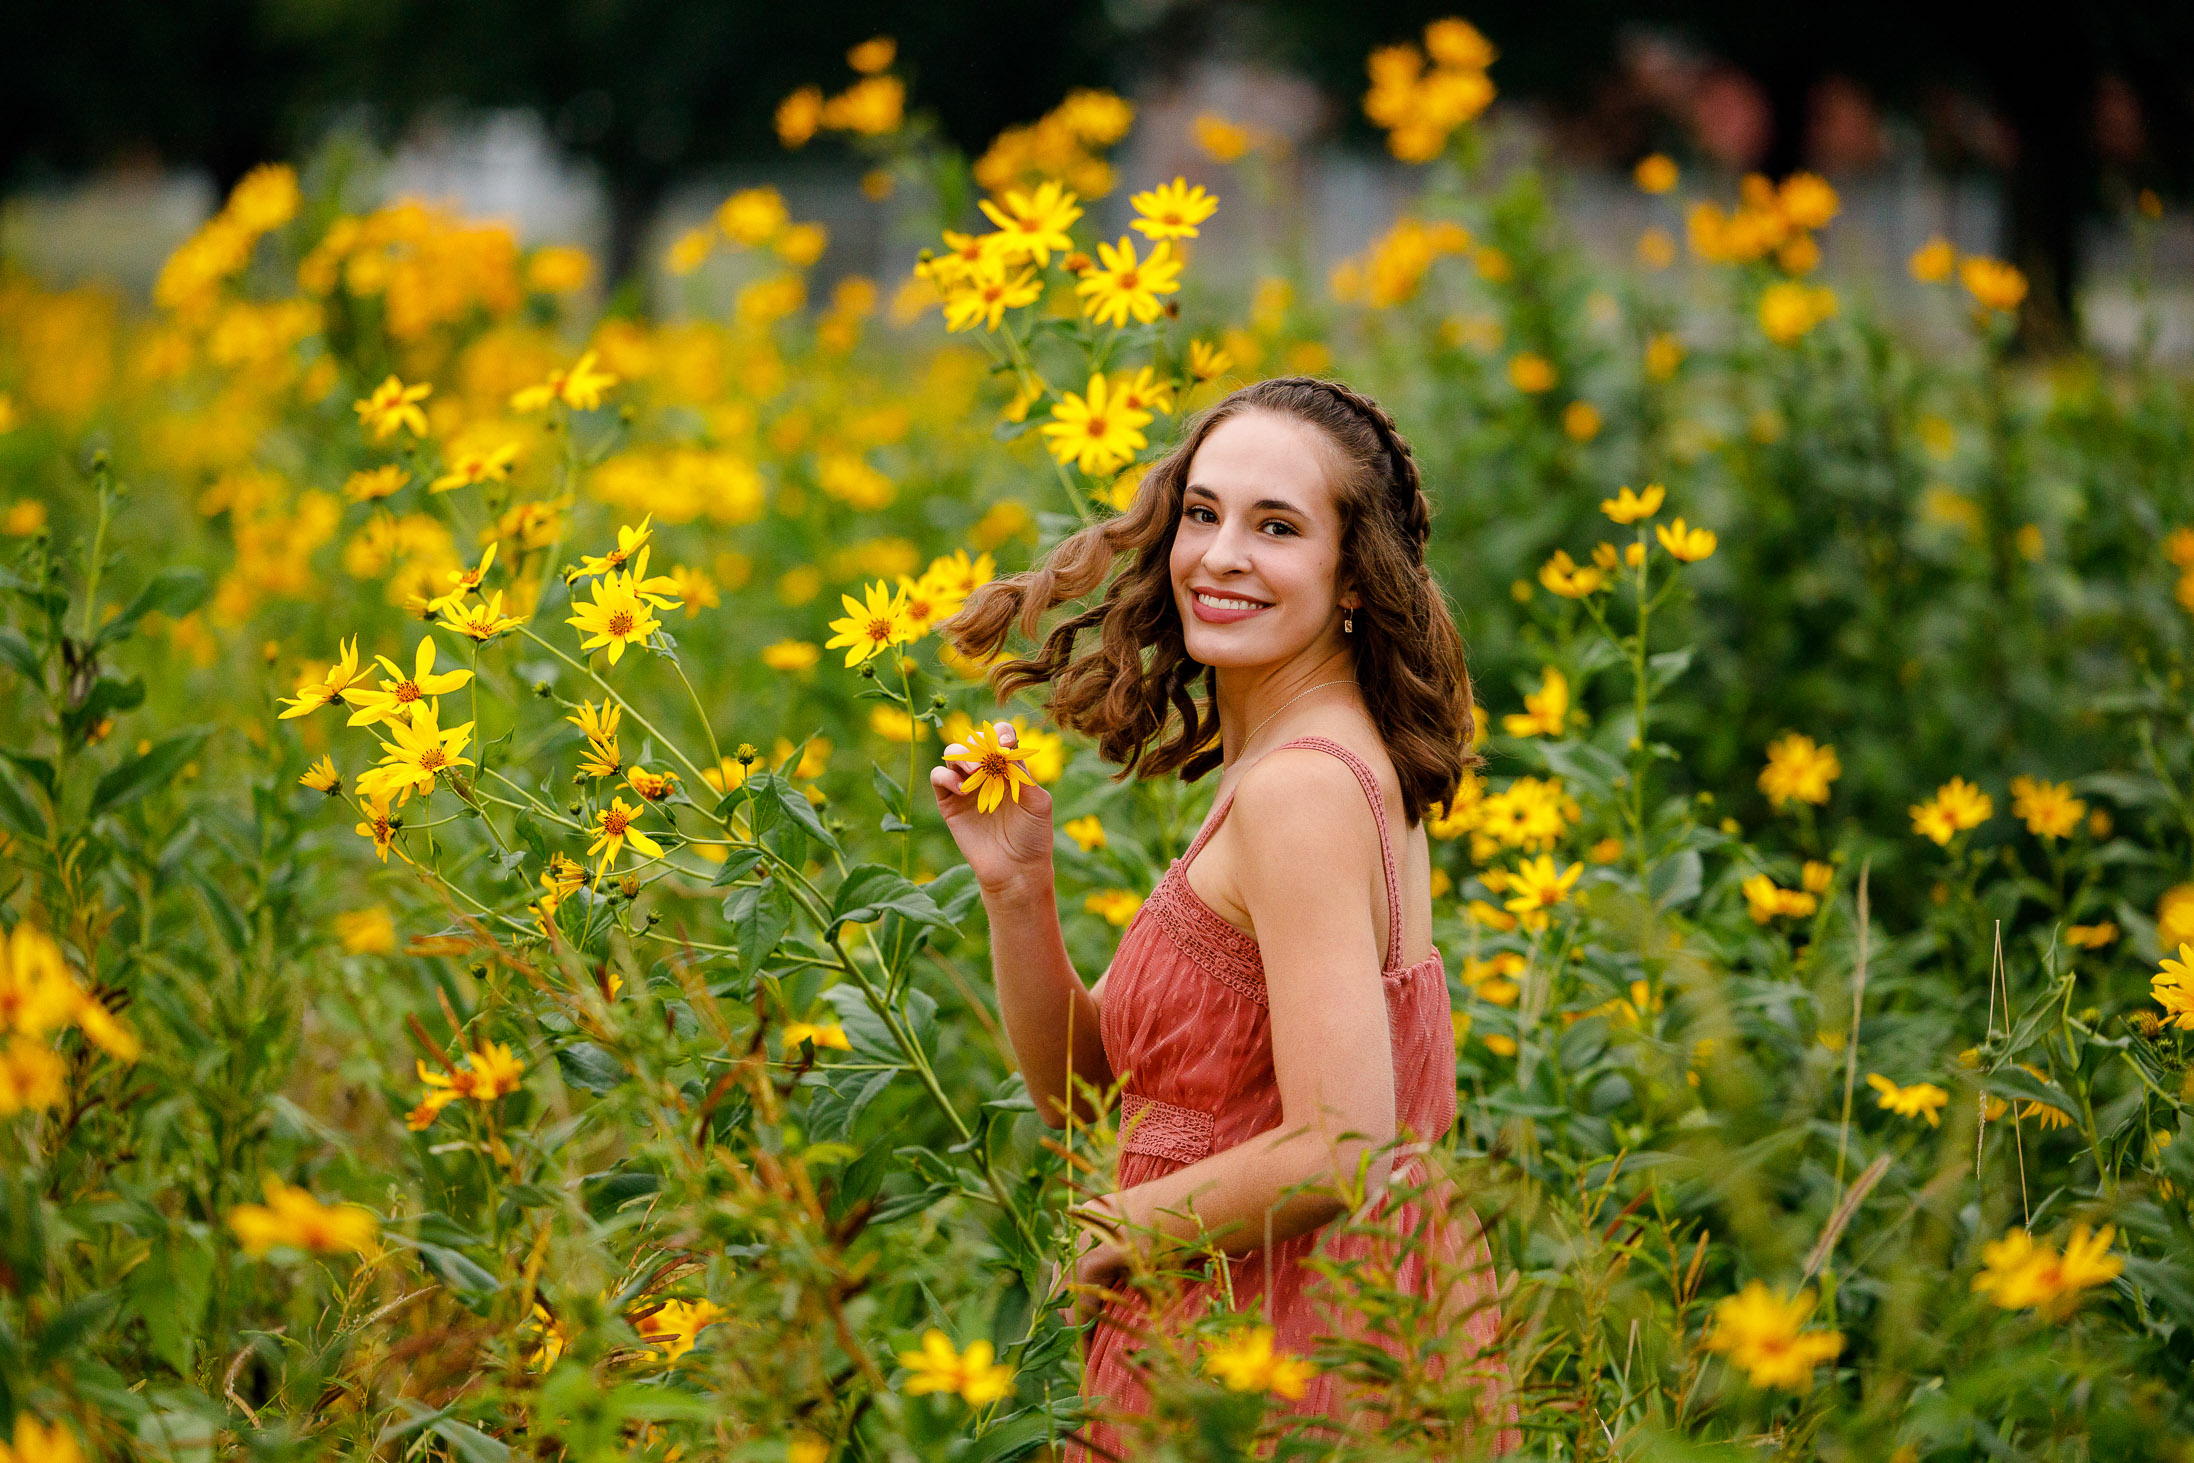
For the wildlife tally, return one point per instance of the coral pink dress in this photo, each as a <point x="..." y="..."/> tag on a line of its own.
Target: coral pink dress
<point x="1185" y="1022"/>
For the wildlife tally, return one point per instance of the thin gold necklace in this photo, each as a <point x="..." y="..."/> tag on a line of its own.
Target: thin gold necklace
<point x="1284" y="705"/>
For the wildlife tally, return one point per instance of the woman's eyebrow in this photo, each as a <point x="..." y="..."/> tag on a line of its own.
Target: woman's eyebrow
<point x="1280" y="503"/>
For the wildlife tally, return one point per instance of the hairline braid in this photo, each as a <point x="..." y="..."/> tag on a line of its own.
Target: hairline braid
<point x="1403" y="462"/>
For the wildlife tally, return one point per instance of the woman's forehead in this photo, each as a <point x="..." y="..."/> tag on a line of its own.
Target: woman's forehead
<point x="1263" y="454"/>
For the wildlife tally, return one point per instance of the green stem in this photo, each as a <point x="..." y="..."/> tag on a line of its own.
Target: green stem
<point x="716" y="753"/>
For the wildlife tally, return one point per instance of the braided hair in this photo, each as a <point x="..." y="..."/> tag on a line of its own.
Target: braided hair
<point x="1135" y="691"/>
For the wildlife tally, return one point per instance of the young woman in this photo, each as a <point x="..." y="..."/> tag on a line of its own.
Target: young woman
<point x="1277" y="1010"/>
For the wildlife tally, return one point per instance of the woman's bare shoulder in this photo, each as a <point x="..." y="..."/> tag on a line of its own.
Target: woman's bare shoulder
<point x="1300" y="797"/>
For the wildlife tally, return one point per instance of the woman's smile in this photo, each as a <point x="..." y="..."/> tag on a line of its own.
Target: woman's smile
<point x="1222" y="609"/>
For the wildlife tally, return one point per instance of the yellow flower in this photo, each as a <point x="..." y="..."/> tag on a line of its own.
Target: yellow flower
<point x="480" y="465"/>
<point x="1628" y="507"/>
<point x="1798" y="769"/>
<point x="579" y="387"/>
<point x="791" y="655"/>
<point x="1933" y="261"/>
<point x="1247" y="1362"/>
<point x="331" y="689"/>
<point x="32" y="1077"/>
<point x="2048" y="809"/>
<point x="617" y="617"/>
<point x="1097" y="432"/>
<point x="1546" y="710"/>
<point x="1993" y="284"/>
<point x="872" y="55"/>
<point x="2092" y="937"/>
<point x="490" y="1072"/>
<point x="1685" y="543"/>
<point x="368" y="931"/>
<point x="379" y="482"/>
<point x="651" y="787"/>
<point x="973" y="1374"/>
<point x="998" y="770"/>
<point x="1495" y="980"/>
<point x="1124" y="287"/>
<point x="631" y="539"/>
<point x="483" y="621"/>
<point x="616" y="830"/>
<point x="1789" y="310"/>
<point x="1655" y="173"/>
<point x="1663" y="354"/>
<point x="1207" y="361"/>
<point x="462" y="583"/>
<point x="397" y="696"/>
<point x="676" y="1324"/>
<point x="1581" y="421"/>
<point x="393" y="405"/>
<point x="2175" y="916"/>
<point x="421" y="752"/>
<point x="867" y="629"/>
<point x="753" y="216"/>
<point x="1531" y="373"/>
<point x="2019" y="1274"/>
<point x="1765" y="1336"/>
<point x="35" y="1443"/>
<point x="1031" y="225"/>
<point x="799" y="115"/>
<point x="1115" y="906"/>
<point x="1807" y="200"/>
<point x="293" y="1219"/>
<point x="1920" y="1100"/>
<point x="1535" y="887"/>
<point x="1766" y="900"/>
<point x="697" y="589"/>
<point x="322" y="777"/>
<point x="2173" y="989"/>
<point x="986" y="291"/>
<point x="1087" y="832"/>
<point x="1816" y="877"/>
<point x="822" y="1035"/>
<point x="1563" y="575"/>
<point x="1956" y="806"/>
<point x="1219" y="139"/>
<point x="379" y="825"/>
<point x="1172" y="210"/>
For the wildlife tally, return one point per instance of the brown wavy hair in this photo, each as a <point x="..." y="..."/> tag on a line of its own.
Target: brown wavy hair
<point x="1131" y="691"/>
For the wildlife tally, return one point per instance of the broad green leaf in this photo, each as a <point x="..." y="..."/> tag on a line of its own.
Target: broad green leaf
<point x="140" y="775"/>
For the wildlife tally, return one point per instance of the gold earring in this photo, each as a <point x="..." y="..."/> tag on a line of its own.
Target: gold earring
<point x="1348" y="622"/>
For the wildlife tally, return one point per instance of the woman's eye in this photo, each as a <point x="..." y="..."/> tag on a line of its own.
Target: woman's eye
<point x="1280" y="524"/>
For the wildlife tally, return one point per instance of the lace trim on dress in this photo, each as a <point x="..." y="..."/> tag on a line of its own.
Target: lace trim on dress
<point x="1219" y="949"/>
<point x="1163" y="1129"/>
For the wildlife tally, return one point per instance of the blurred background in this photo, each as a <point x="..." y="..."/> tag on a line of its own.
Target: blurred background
<point x="2036" y="136"/>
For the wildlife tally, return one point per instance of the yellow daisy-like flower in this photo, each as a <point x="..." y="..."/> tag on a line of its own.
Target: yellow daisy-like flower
<point x="1798" y="770"/>
<point x="332" y="689"/>
<point x="1920" y="1100"/>
<point x="393" y="405"/>
<point x="1765" y="1336"/>
<point x="616" y="830"/>
<point x="1685" y="543"/>
<point x="1247" y="1362"/>
<point x="615" y="618"/>
<point x="2048" y="809"/>
<point x="1124" y="287"/>
<point x="998" y="770"/>
<point x="791" y="655"/>
<point x="1535" y="887"/>
<point x="1207" y="361"/>
<point x="580" y="387"/>
<point x="1031" y="225"/>
<point x="1628" y="507"/>
<point x="631" y="539"/>
<point x="1565" y="577"/>
<point x="322" y="777"/>
<point x="463" y="582"/>
<point x="293" y="1219"/>
<point x="375" y="483"/>
<point x="652" y="787"/>
<point x="1088" y="832"/>
<point x="676" y="1324"/>
<point x="868" y="629"/>
<point x="822" y="1035"/>
<point x="482" y="622"/>
<point x="984" y="293"/>
<point x="1172" y="210"/>
<point x="422" y="751"/>
<point x="1956" y="806"/>
<point x="1655" y="173"/>
<point x="481" y="465"/>
<point x="37" y="1443"/>
<point x="1097" y="431"/>
<point x="2019" y="1274"/>
<point x="2173" y="989"/>
<point x="941" y="1367"/>
<point x="379" y="824"/>
<point x="1546" y="710"/>
<point x="394" y="701"/>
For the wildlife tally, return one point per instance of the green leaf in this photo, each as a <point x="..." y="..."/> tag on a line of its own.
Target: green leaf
<point x="777" y="793"/>
<point x="871" y="890"/>
<point x="894" y="796"/>
<point x="16" y="654"/>
<point x="954" y="892"/>
<point x="1676" y="880"/>
<point x="759" y="915"/>
<point x="18" y="812"/>
<point x="173" y="592"/>
<point x="459" y="1271"/>
<point x="586" y="1065"/>
<point x="1666" y="667"/>
<point x="737" y="866"/>
<point x="40" y="770"/>
<point x="140" y="775"/>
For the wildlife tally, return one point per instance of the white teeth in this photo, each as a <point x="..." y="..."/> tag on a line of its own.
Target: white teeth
<point x="1228" y="604"/>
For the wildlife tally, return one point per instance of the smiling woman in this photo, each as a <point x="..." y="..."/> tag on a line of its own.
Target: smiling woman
<point x="1274" y="1044"/>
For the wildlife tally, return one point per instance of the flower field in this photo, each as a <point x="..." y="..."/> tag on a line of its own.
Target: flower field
<point x="482" y="974"/>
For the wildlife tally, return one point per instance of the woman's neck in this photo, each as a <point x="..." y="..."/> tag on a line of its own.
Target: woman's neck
<point x="1256" y="702"/>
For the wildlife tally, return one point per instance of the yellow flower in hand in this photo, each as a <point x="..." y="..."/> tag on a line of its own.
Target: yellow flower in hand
<point x="998" y="769"/>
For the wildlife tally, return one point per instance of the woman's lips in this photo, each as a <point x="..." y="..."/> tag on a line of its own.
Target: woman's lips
<point x="1224" y="614"/>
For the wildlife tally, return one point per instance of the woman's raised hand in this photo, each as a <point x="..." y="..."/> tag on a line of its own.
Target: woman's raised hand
<point x="1006" y="846"/>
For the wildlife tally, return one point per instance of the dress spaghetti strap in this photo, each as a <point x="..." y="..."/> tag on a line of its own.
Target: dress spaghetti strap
<point x="1370" y="783"/>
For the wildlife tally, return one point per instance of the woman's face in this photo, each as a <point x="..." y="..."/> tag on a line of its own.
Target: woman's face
<point x="1259" y="543"/>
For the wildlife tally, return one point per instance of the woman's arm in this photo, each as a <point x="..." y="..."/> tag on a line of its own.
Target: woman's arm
<point x="1050" y="1019"/>
<point x="1049" y="1016"/>
<point x="1309" y="850"/>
